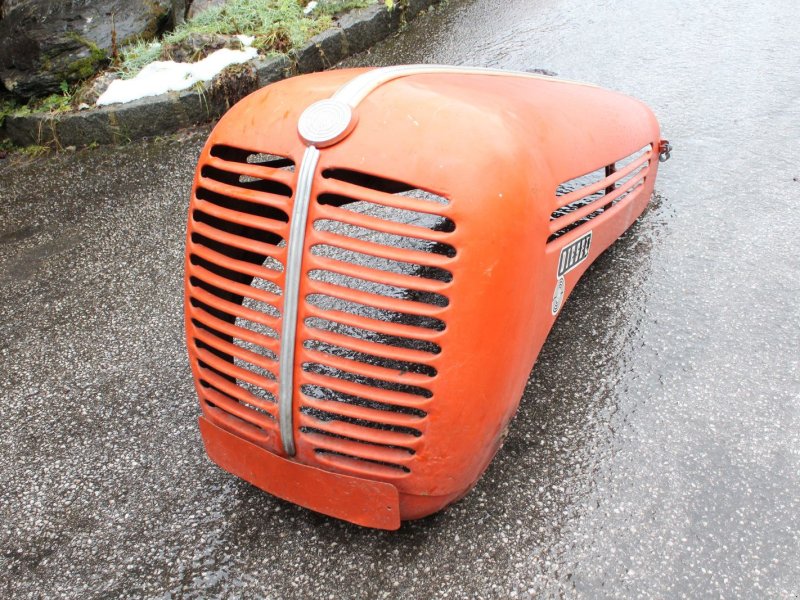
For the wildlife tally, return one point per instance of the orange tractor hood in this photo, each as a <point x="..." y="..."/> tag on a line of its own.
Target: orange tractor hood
<point x="374" y="259"/>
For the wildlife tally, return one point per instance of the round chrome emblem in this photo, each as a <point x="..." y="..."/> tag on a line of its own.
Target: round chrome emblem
<point x="325" y="122"/>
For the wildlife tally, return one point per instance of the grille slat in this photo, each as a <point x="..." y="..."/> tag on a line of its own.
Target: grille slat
<point x="396" y="201"/>
<point x="362" y="434"/>
<point x="367" y="221"/>
<point x="385" y="328"/>
<point x="236" y="310"/>
<point x="236" y="241"/>
<point x="362" y="413"/>
<point x="374" y="371"/>
<point x="269" y="225"/>
<point x="239" y="427"/>
<point x="239" y="266"/>
<point x="350" y="464"/>
<point x="235" y="331"/>
<point x="282" y="176"/>
<point x="409" y="306"/>
<point x="371" y="347"/>
<point x="241" y="289"/>
<point x="232" y="370"/>
<point x="237" y="351"/>
<point x="237" y="409"/>
<point x="413" y="257"/>
<point x="362" y="450"/>
<point x="399" y="280"/>
<point x="229" y="388"/>
<point x="370" y="391"/>
<point x="243" y="196"/>
<point x="391" y="362"/>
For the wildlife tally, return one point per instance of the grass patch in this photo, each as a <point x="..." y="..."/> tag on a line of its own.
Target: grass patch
<point x="278" y="26"/>
<point x="54" y="103"/>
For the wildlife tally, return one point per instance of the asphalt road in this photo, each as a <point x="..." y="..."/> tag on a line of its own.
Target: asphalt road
<point x="656" y="452"/>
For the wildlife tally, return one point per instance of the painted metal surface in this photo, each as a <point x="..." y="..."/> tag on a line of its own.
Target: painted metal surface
<point x="419" y="400"/>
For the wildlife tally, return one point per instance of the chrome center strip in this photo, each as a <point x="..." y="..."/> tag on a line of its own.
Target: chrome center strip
<point x="291" y="293"/>
<point x="355" y="90"/>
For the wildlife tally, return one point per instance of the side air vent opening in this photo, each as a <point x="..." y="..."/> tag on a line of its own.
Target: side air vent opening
<point x="586" y="197"/>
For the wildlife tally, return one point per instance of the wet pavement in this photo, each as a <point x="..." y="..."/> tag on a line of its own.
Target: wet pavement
<point x="656" y="452"/>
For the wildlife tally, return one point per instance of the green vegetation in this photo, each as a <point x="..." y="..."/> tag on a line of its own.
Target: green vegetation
<point x="278" y="26"/>
<point x="7" y="108"/>
<point x="55" y="103"/>
<point x="83" y="68"/>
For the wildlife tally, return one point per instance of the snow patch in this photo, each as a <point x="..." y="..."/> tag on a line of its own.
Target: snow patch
<point x="161" y="77"/>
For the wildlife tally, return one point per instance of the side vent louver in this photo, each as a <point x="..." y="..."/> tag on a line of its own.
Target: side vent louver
<point x="379" y="274"/>
<point x="584" y="198"/>
<point x="239" y="223"/>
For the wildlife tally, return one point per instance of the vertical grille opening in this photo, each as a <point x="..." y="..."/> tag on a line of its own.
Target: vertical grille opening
<point x="235" y="267"/>
<point x="628" y="172"/>
<point x="386" y="264"/>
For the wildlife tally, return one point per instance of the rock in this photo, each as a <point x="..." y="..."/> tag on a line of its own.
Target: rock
<point x="199" y="6"/>
<point x="197" y="46"/>
<point x="46" y="42"/>
<point x="89" y="93"/>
